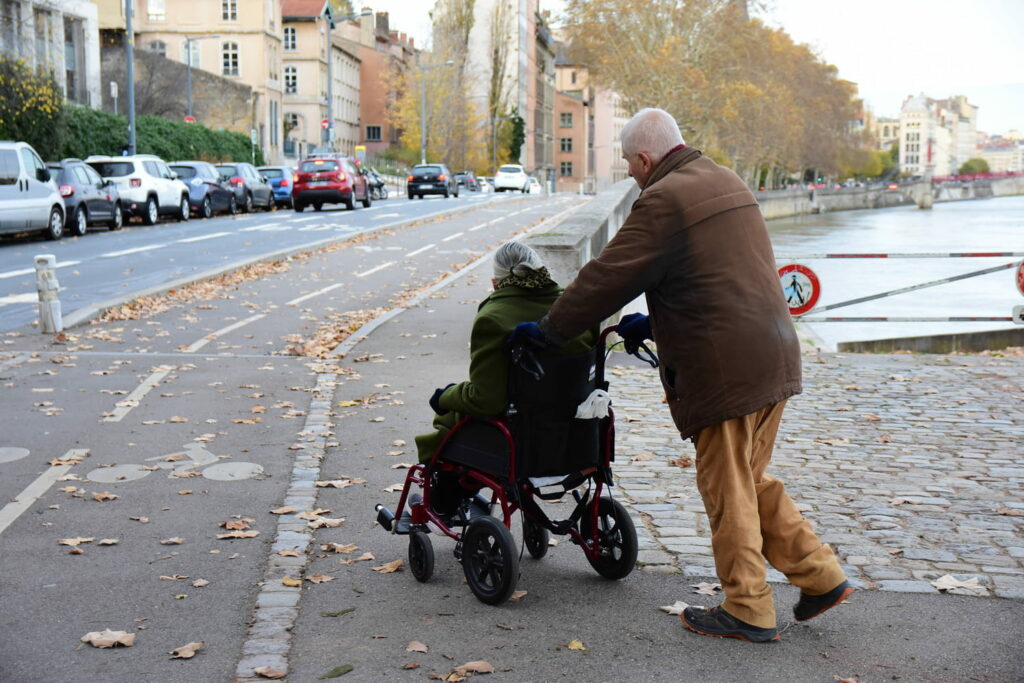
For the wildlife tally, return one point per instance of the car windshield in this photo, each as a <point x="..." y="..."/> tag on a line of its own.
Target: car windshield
<point x="9" y="168"/>
<point x="510" y="169"/>
<point x="113" y="169"/>
<point x="228" y="170"/>
<point x="272" y="172"/>
<point x="426" y="170"/>
<point x="318" y="165"/>
<point x="184" y="171"/>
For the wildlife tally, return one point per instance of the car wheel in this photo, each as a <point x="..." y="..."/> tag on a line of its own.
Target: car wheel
<point x="298" y="206"/>
<point x="367" y="201"/>
<point x="79" y="223"/>
<point x="151" y="212"/>
<point x="318" y="206"/>
<point x="233" y="206"/>
<point x="183" y="212"/>
<point x="117" y="220"/>
<point x="207" y="209"/>
<point x="446" y="193"/>
<point x="55" y="226"/>
<point x="350" y="203"/>
<point x="247" y="207"/>
<point x="411" y="195"/>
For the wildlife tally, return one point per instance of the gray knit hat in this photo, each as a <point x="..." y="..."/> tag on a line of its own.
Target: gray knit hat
<point x="515" y="258"/>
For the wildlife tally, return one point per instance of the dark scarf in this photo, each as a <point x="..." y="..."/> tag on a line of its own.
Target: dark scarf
<point x="536" y="279"/>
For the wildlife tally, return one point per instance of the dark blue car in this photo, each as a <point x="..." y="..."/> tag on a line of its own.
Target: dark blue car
<point x="206" y="191"/>
<point x="281" y="179"/>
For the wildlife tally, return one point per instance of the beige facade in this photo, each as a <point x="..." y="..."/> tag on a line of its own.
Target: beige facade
<point x="1004" y="158"/>
<point x="937" y="136"/>
<point x="610" y="116"/>
<point x="237" y="39"/>
<point x="888" y="133"/>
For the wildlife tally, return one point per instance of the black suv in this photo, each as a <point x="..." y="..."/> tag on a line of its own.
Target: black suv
<point x="88" y="198"/>
<point x="432" y="179"/>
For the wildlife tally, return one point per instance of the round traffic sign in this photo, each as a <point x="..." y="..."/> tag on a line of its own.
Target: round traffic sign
<point x="1020" y="278"/>
<point x="190" y="119"/>
<point x="324" y="123"/>
<point x="800" y="287"/>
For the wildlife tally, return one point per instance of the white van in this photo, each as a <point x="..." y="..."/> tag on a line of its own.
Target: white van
<point x="29" y="200"/>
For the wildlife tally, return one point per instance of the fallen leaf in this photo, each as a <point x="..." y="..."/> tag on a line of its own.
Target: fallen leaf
<point x="174" y="457"/>
<point x="256" y="410"/>
<point x="348" y="404"/>
<point x="75" y="541"/>
<point x="908" y="501"/>
<point x="871" y="418"/>
<point x="683" y="461"/>
<point x="200" y="583"/>
<point x="389" y="567"/>
<point x="107" y="541"/>
<point x="319" y="578"/>
<point x="362" y="558"/>
<point x="885" y="438"/>
<point x="396" y="452"/>
<point x="68" y="489"/>
<point x="401" y="466"/>
<point x="339" y="613"/>
<point x="1011" y="512"/>
<point x="186" y="651"/>
<point x="951" y="584"/>
<point x="675" y="608"/>
<point x="839" y="679"/>
<point x="140" y="520"/>
<point x="517" y="596"/>
<point x="379" y="418"/>
<point x="398" y="442"/>
<point x="707" y="588"/>
<point x="172" y="541"/>
<point x="289" y="581"/>
<point x="321" y="522"/>
<point x="235" y="524"/>
<point x="643" y="457"/>
<point x="394" y="488"/>
<point x="337" y="671"/>
<point x="269" y="672"/>
<point x="343" y="549"/>
<point x="411" y="665"/>
<point x="283" y="510"/>
<point x="251" y="533"/>
<point x="832" y="442"/>
<point x="185" y="492"/>
<point x="416" y="646"/>
<point x="185" y="474"/>
<point x="288" y="552"/>
<point x="577" y="645"/>
<point x="482" y="667"/>
<point x="173" y="577"/>
<point x="851" y="387"/>
<point x="108" y="638"/>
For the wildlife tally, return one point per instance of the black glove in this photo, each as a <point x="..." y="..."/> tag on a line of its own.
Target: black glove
<point x="634" y="329"/>
<point x="528" y="332"/>
<point x="435" y="400"/>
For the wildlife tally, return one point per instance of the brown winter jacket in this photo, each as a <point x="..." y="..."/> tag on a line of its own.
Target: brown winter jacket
<point x="695" y="242"/>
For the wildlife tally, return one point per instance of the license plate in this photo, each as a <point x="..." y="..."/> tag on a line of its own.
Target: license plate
<point x="425" y="185"/>
<point x="317" y="183"/>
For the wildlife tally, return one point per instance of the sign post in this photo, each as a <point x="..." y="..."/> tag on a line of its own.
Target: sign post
<point x="800" y="287"/>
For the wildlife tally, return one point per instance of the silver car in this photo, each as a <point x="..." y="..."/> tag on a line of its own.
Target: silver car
<point x="29" y="200"/>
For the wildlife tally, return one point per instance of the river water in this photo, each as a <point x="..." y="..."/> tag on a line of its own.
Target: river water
<point x="967" y="226"/>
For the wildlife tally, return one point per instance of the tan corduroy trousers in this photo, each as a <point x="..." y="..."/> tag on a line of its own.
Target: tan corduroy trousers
<point x="753" y="519"/>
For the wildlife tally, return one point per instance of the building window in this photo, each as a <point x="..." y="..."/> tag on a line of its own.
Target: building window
<point x="291" y="80"/>
<point x="274" y="122"/>
<point x="73" y="82"/>
<point x="565" y="168"/>
<point x="574" y="78"/>
<point x="156" y="10"/>
<point x="565" y="144"/>
<point x="229" y="10"/>
<point x="159" y="47"/>
<point x="373" y="133"/>
<point x="229" y="59"/>
<point x="566" y="120"/>
<point x="190" y="52"/>
<point x="272" y="66"/>
<point x="289" y="37"/>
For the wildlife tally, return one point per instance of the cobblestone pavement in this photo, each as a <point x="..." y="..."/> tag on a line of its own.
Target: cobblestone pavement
<point x="910" y="466"/>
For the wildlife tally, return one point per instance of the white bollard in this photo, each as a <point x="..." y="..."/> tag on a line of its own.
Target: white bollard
<point x="48" y="289"/>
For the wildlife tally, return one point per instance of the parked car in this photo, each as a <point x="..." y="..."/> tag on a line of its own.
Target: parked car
<point x="280" y="178"/>
<point x="534" y="186"/>
<point x="148" y="188"/>
<point x="467" y="179"/>
<point x="432" y="179"/>
<point x="28" y="198"/>
<point x="329" y="180"/>
<point x="88" y="198"/>
<point x="251" y="189"/>
<point x="207" y="193"/>
<point x="511" y="177"/>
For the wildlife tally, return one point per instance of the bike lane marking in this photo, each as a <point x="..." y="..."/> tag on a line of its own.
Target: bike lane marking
<point x="30" y="271"/>
<point x="196" y="345"/>
<point x="419" y="251"/>
<point x="124" y="406"/>
<point x="451" y="237"/>
<point x="23" y="501"/>
<point x="200" y="238"/>
<point x="375" y="269"/>
<point x="136" y="250"/>
<point x="304" y="297"/>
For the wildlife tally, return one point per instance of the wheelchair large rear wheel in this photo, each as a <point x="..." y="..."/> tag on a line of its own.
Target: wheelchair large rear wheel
<point x="489" y="560"/>
<point x="421" y="556"/>
<point x="616" y="536"/>
<point x="536" y="538"/>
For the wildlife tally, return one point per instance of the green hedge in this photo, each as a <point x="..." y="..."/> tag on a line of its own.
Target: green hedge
<point x="96" y="132"/>
<point x="31" y="107"/>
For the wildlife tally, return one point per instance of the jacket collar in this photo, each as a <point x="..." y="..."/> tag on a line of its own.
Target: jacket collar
<point x="505" y="292"/>
<point x="672" y="161"/>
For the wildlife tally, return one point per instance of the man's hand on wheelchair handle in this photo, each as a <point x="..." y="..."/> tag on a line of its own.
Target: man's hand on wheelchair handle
<point x="528" y="332"/>
<point x="435" y="400"/>
<point x="634" y="329"/>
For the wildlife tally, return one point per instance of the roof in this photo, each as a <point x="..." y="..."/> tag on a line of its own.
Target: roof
<point x="302" y="8"/>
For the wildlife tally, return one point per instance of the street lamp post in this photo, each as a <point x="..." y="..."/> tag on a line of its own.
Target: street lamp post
<point x="188" y="61"/>
<point x="331" y="23"/>
<point x="129" y="50"/>
<point x="423" y="108"/>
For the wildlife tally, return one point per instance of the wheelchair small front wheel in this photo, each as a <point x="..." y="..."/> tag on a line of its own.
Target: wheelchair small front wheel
<point x="421" y="556"/>
<point x="616" y="536"/>
<point x="536" y="538"/>
<point x="489" y="560"/>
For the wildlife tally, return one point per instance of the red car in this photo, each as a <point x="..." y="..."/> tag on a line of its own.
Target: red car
<point x="329" y="180"/>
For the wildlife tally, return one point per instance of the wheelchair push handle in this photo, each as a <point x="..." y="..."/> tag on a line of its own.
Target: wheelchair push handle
<point x="641" y="350"/>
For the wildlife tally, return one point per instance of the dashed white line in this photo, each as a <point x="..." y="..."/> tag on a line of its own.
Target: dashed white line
<point x="307" y="218"/>
<point x="196" y="345"/>
<point x="27" y="298"/>
<point x="136" y="250"/>
<point x="386" y="215"/>
<point x="23" y="501"/>
<point x="451" y="237"/>
<point x="419" y="251"/>
<point x="371" y="271"/>
<point x="30" y="271"/>
<point x="318" y="292"/>
<point x="131" y="400"/>
<point x="200" y="238"/>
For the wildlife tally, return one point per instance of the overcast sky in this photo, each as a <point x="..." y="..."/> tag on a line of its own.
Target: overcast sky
<point x="890" y="48"/>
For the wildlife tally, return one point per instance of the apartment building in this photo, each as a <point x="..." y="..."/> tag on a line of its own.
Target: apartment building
<point x="888" y="132"/>
<point x="240" y="40"/>
<point x="574" y="127"/>
<point x="936" y="136"/>
<point x="57" y="36"/>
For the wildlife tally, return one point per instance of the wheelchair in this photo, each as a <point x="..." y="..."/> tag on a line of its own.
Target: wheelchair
<point x="537" y="450"/>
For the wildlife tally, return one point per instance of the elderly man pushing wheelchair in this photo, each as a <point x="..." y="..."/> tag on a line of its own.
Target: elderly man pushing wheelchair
<point x="695" y="244"/>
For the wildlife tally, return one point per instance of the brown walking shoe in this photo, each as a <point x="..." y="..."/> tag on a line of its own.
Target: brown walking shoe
<point x="810" y="606"/>
<point x="716" y="622"/>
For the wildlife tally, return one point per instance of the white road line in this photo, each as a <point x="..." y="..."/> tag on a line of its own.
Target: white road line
<point x="204" y="237"/>
<point x="30" y="271"/>
<point x="35" y="490"/>
<point x="315" y="228"/>
<point x="318" y="292"/>
<point x="371" y="271"/>
<point x="28" y="298"/>
<point x="419" y="251"/>
<point x="267" y="228"/>
<point x="131" y="400"/>
<point x="196" y="345"/>
<point x="303" y="220"/>
<point x="386" y="215"/>
<point x="115" y="254"/>
<point x="451" y="237"/>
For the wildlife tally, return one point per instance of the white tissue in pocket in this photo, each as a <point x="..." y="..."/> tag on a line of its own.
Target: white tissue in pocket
<point x="596" y="405"/>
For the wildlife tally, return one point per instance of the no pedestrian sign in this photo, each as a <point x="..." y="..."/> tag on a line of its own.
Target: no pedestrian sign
<point x="800" y="287"/>
<point x="1020" y="278"/>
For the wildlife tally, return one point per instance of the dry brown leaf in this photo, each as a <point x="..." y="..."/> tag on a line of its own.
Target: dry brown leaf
<point x="107" y="541"/>
<point x="871" y="418"/>
<point x="256" y="410"/>
<point x="269" y="672"/>
<point x="832" y="441"/>
<point x="290" y="581"/>
<point x="415" y="646"/>
<point x="329" y="522"/>
<point x="173" y="577"/>
<point x="108" y="638"/>
<point x="675" y="608"/>
<point x="482" y="667"/>
<point x="394" y="488"/>
<point x="185" y="474"/>
<point x="390" y="567"/>
<point x="398" y="442"/>
<point x="379" y="418"/>
<point x="174" y="457"/>
<point x="172" y="541"/>
<point x="401" y="466"/>
<point x="851" y="387"/>
<point x="643" y="457"/>
<point x="288" y="552"/>
<point x="283" y="510"/>
<point x="411" y="665"/>
<point x="178" y="419"/>
<point x="251" y="533"/>
<point x="140" y="520"/>
<point x="682" y="461"/>
<point x="235" y="524"/>
<point x="319" y="578"/>
<point x="707" y="588"/>
<point x="1010" y="512"/>
<point x="517" y="596"/>
<point x="68" y="489"/>
<point x="200" y="583"/>
<point x="75" y="541"/>
<point x="185" y="651"/>
<point x="885" y="438"/>
<point x="577" y="645"/>
<point x="362" y="558"/>
<point x="839" y="679"/>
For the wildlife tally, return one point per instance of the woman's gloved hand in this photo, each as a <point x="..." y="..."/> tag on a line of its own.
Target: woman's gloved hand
<point x="634" y="329"/>
<point x="435" y="400"/>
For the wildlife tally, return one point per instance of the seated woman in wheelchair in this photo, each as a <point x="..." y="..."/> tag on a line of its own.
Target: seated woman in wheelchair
<point x="523" y="290"/>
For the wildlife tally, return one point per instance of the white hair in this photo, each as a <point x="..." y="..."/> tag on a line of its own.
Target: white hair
<point x="515" y="258"/>
<point x="653" y="131"/>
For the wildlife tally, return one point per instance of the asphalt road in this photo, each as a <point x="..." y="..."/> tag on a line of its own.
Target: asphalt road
<point x="103" y="264"/>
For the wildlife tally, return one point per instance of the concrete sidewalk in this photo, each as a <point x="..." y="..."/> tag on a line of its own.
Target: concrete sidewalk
<point x="951" y="453"/>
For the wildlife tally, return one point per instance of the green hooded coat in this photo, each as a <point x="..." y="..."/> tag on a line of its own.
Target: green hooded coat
<point x="484" y="394"/>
